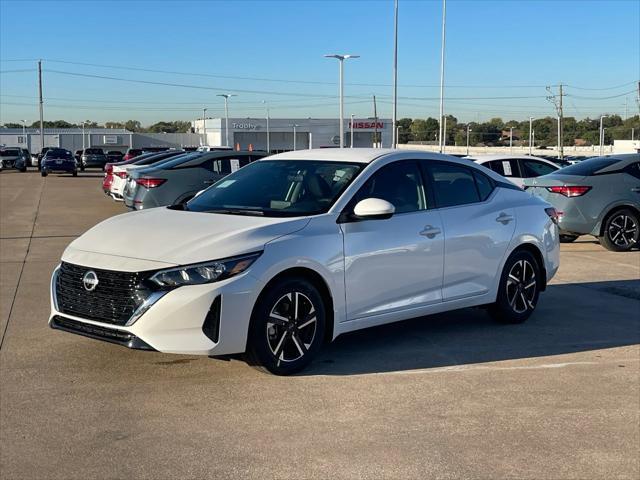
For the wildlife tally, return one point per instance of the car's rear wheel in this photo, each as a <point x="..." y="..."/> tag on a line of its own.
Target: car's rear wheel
<point x="568" y="238"/>
<point x="44" y="173"/>
<point x="519" y="289"/>
<point x="75" y="173"/>
<point x="287" y="327"/>
<point x="621" y="231"/>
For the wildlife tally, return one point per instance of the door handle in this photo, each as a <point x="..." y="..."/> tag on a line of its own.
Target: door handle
<point x="209" y="182"/>
<point x="636" y="189"/>
<point x="430" y="231"/>
<point x="503" y="218"/>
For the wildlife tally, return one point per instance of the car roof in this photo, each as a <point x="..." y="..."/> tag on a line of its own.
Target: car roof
<point x="357" y="155"/>
<point x="488" y="158"/>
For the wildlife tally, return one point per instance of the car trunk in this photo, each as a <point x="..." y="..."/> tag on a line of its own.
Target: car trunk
<point x="538" y="186"/>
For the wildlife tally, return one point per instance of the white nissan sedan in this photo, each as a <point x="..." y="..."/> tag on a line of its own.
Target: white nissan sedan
<point x="293" y="250"/>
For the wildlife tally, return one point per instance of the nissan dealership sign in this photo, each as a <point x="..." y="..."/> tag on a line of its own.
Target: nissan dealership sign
<point x="367" y="125"/>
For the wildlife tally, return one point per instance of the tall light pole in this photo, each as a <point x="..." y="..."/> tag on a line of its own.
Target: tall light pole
<point x="602" y="135"/>
<point x="83" y="148"/>
<point x="204" y="125"/>
<point x="341" y="59"/>
<point x="394" y="120"/>
<point x="268" y="134"/>
<point x="510" y="139"/>
<point x="441" y="122"/>
<point x="530" y="135"/>
<point x="226" y="97"/>
<point x="24" y="133"/>
<point x="468" y="130"/>
<point x="351" y="125"/>
<point x="294" y="125"/>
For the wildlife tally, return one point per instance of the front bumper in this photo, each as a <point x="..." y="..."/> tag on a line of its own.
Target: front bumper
<point x="180" y="321"/>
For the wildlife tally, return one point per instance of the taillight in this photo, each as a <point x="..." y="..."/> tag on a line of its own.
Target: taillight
<point x="108" y="180"/>
<point x="127" y="157"/>
<point x="569" y="190"/>
<point x="120" y="174"/>
<point x="554" y="214"/>
<point x="108" y="168"/>
<point x="150" y="182"/>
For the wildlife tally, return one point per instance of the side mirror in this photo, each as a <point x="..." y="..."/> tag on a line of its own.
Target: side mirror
<point x="373" y="209"/>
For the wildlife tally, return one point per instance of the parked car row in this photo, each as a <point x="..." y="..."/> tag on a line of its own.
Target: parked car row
<point x="170" y="177"/>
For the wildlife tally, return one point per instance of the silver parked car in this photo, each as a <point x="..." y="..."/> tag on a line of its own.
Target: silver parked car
<point x="599" y="197"/>
<point x="178" y="180"/>
<point x="13" y="157"/>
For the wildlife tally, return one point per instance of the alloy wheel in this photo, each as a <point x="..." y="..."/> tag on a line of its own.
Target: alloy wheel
<point x="521" y="286"/>
<point x="623" y="230"/>
<point x="291" y="327"/>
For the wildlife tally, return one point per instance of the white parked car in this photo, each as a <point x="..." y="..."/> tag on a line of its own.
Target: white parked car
<point x="516" y="167"/>
<point x="291" y="251"/>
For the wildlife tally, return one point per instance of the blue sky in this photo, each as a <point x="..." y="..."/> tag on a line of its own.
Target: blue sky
<point x="494" y="49"/>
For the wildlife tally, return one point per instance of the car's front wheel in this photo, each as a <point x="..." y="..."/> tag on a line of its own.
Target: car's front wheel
<point x="44" y="173"/>
<point x="621" y="231"/>
<point x="287" y="327"/>
<point x="75" y="173"/>
<point x="518" y="290"/>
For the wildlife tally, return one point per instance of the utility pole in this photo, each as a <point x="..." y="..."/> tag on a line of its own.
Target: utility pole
<point x="557" y="101"/>
<point x="204" y="125"/>
<point x="440" y="121"/>
<point x="41" y="112"/>
<point x="351" y="125"/>
<point x="510" y="139"/>
<point x="375" y="122"/>
<point x="469" y="130"/>
<point x="530" y="136"/>
<point x="268" y="133"/>
<point x="394" y="120"/>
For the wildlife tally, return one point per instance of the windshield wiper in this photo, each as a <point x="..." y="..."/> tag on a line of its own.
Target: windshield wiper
<point x="236" y="211"/>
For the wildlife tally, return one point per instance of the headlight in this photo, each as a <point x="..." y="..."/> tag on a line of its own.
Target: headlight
<point x="206" y="272"/>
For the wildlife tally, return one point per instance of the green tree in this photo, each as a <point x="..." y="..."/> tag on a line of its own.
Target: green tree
<point x="12" y="125"/>
<point x="405" y="135"/>
<point x="424" y="130"/>
<point x="133" y="125"/>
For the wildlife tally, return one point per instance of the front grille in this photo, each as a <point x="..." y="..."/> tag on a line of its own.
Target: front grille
<point x="114" y="299"/>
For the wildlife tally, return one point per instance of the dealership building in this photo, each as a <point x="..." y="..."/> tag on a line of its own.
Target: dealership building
<point x="105" y="138"/>
<point x="289" y="133"/>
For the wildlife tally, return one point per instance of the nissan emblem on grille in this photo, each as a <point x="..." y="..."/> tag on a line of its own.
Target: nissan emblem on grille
<point x="90" y="281"/>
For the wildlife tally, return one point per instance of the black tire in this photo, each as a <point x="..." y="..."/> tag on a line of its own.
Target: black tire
<point x="621" y="230"/>
<point x="568" y="238"/>
<point x="82" y="168"/>
<point x="283" y="339"/>
<point x="43" y="173"/>
<point x="75" y="173"/>
<point x="518" y="290"/>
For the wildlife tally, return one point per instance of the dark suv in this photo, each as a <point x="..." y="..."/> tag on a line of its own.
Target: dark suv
<point x="94" y="157"/>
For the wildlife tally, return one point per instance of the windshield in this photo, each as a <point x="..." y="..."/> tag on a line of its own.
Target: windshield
<point x="57" y="154"/>
<point x="9" y="153"/>
<point x="276" y="188"/>
<point x="586" y="168"/>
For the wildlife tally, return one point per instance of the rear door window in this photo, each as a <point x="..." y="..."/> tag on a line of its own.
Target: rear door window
<point x="506" y="168"/>
<point x="535" y="168"/>
<point x="453" y="184"/>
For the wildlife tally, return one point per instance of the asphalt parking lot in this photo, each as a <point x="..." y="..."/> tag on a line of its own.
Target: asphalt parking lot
<point x="453" y="395"/>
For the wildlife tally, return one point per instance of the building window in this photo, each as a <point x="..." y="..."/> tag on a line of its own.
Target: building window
<point x="21" y="139"/>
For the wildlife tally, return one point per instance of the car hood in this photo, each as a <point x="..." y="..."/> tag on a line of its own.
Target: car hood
<point x="161" y="237"/>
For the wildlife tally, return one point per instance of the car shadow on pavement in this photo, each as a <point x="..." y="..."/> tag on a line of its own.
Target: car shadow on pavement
<point x="569" y="318"/>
